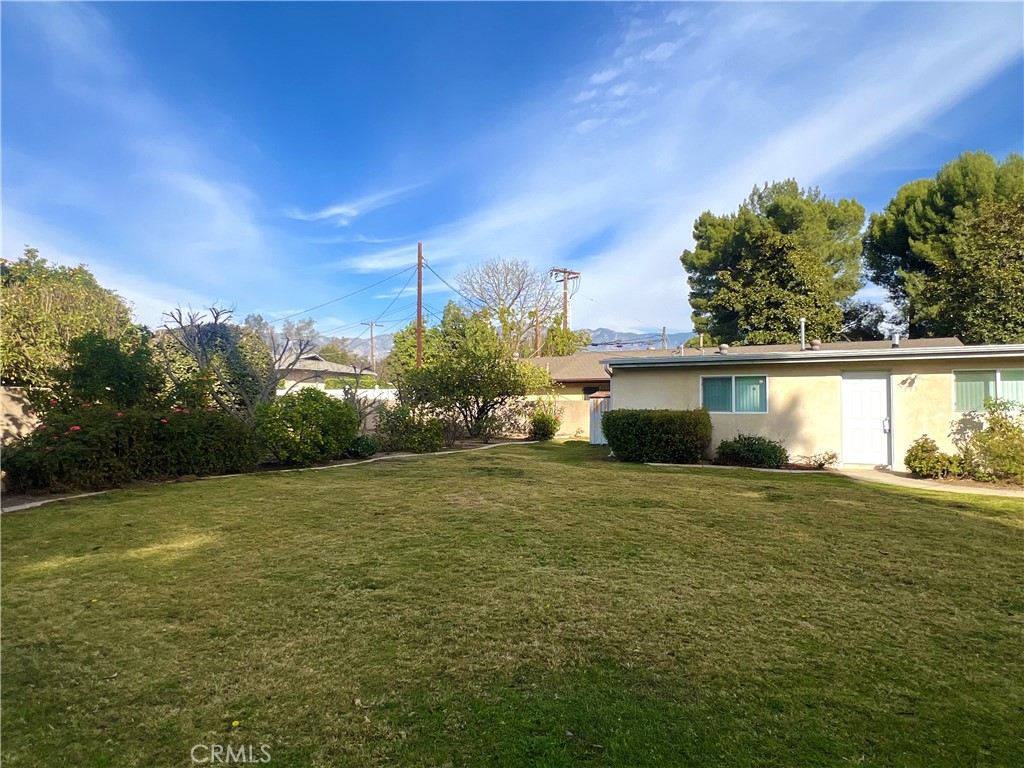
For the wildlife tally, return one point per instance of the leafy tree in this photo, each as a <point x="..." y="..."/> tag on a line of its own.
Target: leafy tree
<point x="977" y="291"/>
<point x="111" y="372"/>
<point x="513" y="296"/>
<point x="43" y="307"/>
<point x="471" y="375"/>
<point x="206" y="356"/>
<point x="559" y="342"/>
<point x="774" y="284"/>
<point x="863" y="321"/>
<point x="436" y="340"/>
<point x="825" y="232"/>
<point x="906" y="244"/>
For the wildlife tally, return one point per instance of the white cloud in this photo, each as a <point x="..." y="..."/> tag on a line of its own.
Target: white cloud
<point x="587" y="95"/>
<point x="586" y="126"/>
<point x="341" y="214"/>
<point x="605" y="76"/>
<point x="661" y="52"/>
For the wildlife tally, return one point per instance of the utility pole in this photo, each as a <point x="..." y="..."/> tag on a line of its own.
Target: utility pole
<point x="419" y="305"/>
<point x="536" y="329"/>
<point x="566" y="276"/>
<point x="373" y="353"/>
<point x="664" y="337"/>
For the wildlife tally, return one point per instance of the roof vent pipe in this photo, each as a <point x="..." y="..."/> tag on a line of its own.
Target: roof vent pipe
<point x="723" y="349"/>
<point x="896" y="339"/>
<point x="803" y="333"/>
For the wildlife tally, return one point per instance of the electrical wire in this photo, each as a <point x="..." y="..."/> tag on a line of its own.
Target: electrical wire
<point x="346" y="296"/>
<point x="472" y="302"/>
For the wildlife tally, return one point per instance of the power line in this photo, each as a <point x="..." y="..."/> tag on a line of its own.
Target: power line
<point x="346" y="296"/>
<point x="472" y="302"/>
<point x="642" y="322"/>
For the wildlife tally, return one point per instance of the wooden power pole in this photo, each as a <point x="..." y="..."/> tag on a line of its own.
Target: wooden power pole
<point x="373" y="352"/>
<point x="536" y="329"/>
<point x="664" y="337"/>
<point x="419" y="305"/>
<point x="566" y="276"/>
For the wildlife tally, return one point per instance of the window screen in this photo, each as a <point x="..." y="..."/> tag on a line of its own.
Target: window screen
<point x="1011" y="383"/>
<point x="972" y="387"/>
<point x="717" y="393"/>
<point x="751" y="394"/>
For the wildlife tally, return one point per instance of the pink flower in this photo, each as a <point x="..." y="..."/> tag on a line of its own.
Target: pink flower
<point x="163" y="421"/>
<point x="120" y="414"/>
<point x="41" y="426"/>
<point x="75" y="428"/>
<point x="175" y="410"/>
<point x="53" y="402"/>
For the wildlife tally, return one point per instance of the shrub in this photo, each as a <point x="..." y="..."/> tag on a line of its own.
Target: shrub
<point x="543" y="425"/>
<point x="402" y="428"/>
<point x="821" y="460"/>
<point x="363" y="447"/>
<point x="996" y="451"/>
<point x="306" y="427"/>
<point x="96" y="447"/>
<point x="752" y="451"/>
<point x="681" y="437"/>
<point x="924" y="459"/>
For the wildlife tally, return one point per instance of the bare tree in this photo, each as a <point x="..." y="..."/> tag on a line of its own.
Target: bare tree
<point x="515" y="296"/>
<point x="246" y="363"/>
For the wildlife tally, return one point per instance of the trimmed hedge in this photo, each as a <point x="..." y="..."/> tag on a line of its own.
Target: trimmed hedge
<point x="752" y="451"/>
<point x="95" y="447"/>
<point x="671" y="437"/>
<point x="543" y="425"/>
<point x="402" y="428"/>
<point x="924" y="459"/>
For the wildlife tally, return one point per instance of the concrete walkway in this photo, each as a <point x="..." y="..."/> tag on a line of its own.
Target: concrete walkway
<point x="904" y="480"/>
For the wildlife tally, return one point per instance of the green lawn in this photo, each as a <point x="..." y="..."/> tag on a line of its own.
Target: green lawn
<point x="522" y="606"/>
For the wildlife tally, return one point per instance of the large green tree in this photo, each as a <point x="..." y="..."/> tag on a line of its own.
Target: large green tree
<point x="977" y="289"/>
<point x="907" y="244"/>
<point x="824" y="233"/>
<point x="43" y="307"/>
<point x="559" y="342"/>
<point x="774" y="284"/>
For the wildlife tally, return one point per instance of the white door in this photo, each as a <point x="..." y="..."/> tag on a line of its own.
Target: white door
<point x="865" y="413"/>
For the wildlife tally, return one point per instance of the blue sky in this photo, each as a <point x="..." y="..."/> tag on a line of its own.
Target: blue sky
<point x="277" y="156"/>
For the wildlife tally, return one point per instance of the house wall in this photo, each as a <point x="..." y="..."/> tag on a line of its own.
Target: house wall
<point x="15" y="419"/>
<point x="804" y="407"/>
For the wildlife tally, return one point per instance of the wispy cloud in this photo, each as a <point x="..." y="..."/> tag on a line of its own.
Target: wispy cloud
<point x="616" y="194"/>
<point x="342" y="214"/>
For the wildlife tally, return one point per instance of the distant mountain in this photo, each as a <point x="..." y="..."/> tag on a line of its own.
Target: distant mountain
<point x="601" y="339"/>
<point x="606" y="338"/>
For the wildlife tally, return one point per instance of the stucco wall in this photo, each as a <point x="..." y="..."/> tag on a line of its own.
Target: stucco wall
<point x="804" y="407"/>
<point x="15" y="419"/>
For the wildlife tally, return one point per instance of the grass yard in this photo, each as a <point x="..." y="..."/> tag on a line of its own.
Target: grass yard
<point x="521" y="606"/>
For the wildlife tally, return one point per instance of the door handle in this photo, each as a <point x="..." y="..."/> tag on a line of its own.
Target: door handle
<point x="886" y="425"/>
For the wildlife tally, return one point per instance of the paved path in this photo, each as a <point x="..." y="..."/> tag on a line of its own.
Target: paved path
<point x="904" y="480"/>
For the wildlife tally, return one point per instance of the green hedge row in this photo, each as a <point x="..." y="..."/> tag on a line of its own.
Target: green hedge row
<point x="96" y="447"/>
<point x="675" y="437"/>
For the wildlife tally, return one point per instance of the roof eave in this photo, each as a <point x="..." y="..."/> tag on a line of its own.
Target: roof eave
<point x="808" y="356"/>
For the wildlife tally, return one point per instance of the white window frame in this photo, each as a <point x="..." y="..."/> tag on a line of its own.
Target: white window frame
<point x="999" y="383"/>
<point x="732" y="383"/>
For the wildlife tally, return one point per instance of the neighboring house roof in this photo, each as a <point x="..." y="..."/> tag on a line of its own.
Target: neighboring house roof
<point x="588" y="366"/>
<point x="316" y="364"/>
<point x="929" y="349"/>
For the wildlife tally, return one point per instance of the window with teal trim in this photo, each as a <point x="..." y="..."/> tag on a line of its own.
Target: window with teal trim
<point x="751" y="394"/>
<point x="971" y="388"/>
<point x="717" y="393"/>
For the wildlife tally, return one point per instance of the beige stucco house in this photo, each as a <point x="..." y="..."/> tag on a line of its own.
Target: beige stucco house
<point x="577" y="378"/>
<point x="867" y="401"/>
<point x="314" y="371"/>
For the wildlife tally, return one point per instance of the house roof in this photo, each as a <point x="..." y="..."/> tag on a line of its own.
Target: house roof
<point x="834" y="352"/>
<point x="317" y="364"/>
<point x="589" y="366"/>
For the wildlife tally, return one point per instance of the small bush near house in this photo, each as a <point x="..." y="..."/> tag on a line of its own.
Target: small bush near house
<point x="543" y="425"/>
<point x="674" y="437"/>
<point x="821" y="460"/>
<point x="996" y="452"/>
<point x="94" y="446"/>
<point x="752" y="451"/>
<point x="363" y="447"/>
<point x="401" y="428"/>
<point x="924" y="459"/>
<point x="307" y="427"/>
